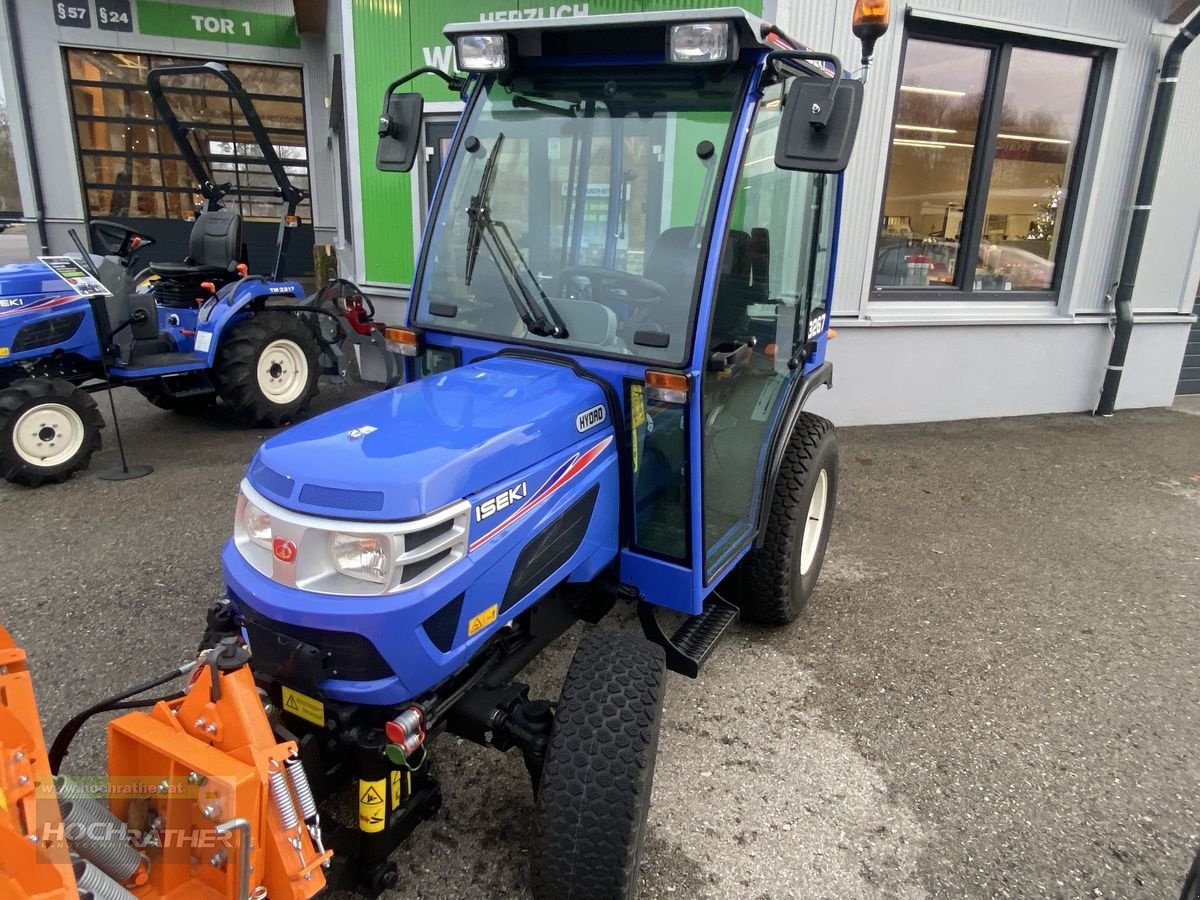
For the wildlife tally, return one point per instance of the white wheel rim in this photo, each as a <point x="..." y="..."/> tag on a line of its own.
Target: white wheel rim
<point x="48" y="435"/>
<point x="813" y="522"/>
<point x="282" y="372"/>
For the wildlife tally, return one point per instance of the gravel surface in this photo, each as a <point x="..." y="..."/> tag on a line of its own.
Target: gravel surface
<point x="993" y="693"/>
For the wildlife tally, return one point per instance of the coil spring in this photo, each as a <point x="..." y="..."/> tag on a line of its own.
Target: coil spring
<point x="282" y="798"/>
<point x="95" y="885"/>
<point x="99" y="837"/>
<point x="304" y="795"/>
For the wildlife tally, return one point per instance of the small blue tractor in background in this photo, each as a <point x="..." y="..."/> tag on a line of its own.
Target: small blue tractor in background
<point x="620" y="308"/>
<point x="183" y="333"/>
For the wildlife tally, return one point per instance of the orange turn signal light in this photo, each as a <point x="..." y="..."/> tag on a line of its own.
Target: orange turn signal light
<point x="832" y="333"/>
<point x="667" y="387"/>
<point x="402" y="340"/>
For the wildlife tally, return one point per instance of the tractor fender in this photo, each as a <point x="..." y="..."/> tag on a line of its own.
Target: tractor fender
<point x="232" y="302"/>
<point x="801" y="389"/>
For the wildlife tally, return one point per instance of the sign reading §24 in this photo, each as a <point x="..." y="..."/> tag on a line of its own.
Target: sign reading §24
<point x="232" y="26"/>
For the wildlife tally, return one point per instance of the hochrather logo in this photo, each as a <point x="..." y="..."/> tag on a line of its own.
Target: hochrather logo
<point x="511" y="497"/>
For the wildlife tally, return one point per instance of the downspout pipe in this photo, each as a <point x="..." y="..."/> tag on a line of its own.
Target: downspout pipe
<point x="1168" y="77"/>
<point x="35" y="170"/>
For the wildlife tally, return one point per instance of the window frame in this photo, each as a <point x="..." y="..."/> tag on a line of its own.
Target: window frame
<point x="999" y="44"/>
<point x="244" y="203"/>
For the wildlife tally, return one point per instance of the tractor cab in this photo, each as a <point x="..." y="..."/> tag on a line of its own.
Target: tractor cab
<point x="666" y="225"/>
<point x="620" y="307"/>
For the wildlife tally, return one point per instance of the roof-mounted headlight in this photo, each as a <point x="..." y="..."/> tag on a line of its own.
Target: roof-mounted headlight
<point x="481" y="52"/>
<point x="701" y="42"/>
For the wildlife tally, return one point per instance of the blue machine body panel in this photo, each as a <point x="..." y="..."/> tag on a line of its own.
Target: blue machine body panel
<point x="423" y="446"/>
<point x="31" y="295"/>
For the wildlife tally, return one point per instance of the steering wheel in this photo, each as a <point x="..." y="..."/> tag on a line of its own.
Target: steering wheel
<point x="610" y="287"/>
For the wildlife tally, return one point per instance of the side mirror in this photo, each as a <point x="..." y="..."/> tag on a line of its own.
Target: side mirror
<point x="804" y="143"/>
<point x="399" y="132"/>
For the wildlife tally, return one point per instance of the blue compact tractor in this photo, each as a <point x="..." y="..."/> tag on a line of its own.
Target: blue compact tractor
<point x="183" y="333"/>
<point x="620" y="308"/>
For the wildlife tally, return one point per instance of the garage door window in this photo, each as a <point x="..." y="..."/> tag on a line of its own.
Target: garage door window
<point x="130" y="164"/>
<point x="984" y="163"/>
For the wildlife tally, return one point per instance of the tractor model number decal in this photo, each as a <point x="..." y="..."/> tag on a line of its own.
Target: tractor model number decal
<point x="562" y="475"/>
<point x="590" y="418"/>
<point x="503" y="500"/>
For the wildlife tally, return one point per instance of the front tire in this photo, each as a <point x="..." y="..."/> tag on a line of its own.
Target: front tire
<point x="779" y="576"/>
<point x="266" y="368"/>
<point x="594" y="795"/>
<point x="49" y="430"/>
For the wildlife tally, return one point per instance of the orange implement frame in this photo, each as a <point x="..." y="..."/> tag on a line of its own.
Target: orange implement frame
<point x="202" y="780"/>
<point x="36" y="871"/>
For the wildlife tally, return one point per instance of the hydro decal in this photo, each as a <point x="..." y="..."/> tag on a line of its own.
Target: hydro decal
<point x="590" y="418"/>
<point x="567" y="471"/>
<point x="11" y="305"/>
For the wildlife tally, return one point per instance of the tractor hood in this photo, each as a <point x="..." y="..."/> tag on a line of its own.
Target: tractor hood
<point x="414" y="449"/>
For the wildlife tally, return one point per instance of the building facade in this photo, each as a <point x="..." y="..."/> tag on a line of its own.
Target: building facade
<point x="986" y="204"/>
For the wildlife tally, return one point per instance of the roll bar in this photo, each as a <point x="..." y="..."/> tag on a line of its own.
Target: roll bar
<point x="291" y="195"/>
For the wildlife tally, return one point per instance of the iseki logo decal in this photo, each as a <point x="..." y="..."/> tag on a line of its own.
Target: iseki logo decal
<point x="508" y="498"/>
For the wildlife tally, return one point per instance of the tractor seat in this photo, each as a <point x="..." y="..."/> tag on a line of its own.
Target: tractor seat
<point x="213" y="249"/>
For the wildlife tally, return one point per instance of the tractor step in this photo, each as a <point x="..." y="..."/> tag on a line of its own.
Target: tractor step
<point x="695" y="639"/>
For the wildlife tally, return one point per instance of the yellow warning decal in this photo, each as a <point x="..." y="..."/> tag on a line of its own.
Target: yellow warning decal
<point x="395" y="789"/>
<point x="3" y="801"/>
<point x="3" y="351"/>
<point x="372" y="807"/>
<point x="483" y="620"/>
<point x="308" y="708"/>
<point x="637" y="405"/>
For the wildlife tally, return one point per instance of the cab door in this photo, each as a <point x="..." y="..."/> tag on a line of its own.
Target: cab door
<point x="772" y="283"/>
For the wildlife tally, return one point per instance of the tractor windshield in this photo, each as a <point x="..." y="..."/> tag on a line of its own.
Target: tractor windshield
<point x="575" y="210"/>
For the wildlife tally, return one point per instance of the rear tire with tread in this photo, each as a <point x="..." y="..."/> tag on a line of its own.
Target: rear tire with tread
<point x="775" y="585"/>
<point x="73" y="406"/>
<point x="236" y="369"/>
<point x="594" y="795"/>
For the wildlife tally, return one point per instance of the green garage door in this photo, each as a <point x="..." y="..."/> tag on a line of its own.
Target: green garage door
<point x="1189" y="375"/>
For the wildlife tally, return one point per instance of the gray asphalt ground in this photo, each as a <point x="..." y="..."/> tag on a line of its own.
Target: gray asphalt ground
<point x="993" y="693"/>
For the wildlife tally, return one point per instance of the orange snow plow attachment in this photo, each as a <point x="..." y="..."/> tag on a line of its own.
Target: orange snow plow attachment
<point x="201" y="802"/>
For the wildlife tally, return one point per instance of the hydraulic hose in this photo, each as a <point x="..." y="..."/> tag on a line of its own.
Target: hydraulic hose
<point x="1168" y="77"/>
<point x="62" y="741"/>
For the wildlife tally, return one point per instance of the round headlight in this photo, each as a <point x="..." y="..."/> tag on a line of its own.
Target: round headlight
<point x="258" y="525"/>
<point x="364" y="556"/>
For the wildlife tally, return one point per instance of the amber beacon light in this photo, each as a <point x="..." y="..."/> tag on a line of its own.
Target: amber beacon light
<point x="871" y="20"/>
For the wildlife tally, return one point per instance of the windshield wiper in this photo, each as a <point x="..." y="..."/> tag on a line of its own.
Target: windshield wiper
<point x="486" y="231"/>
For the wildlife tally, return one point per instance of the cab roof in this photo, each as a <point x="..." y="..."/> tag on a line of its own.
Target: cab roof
<point x="612" y="33"/>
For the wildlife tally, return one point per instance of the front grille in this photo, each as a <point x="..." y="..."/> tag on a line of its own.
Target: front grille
<point x="47" y="332"/>
<point x="347" y="654"/>
<point x="340" y="498"/>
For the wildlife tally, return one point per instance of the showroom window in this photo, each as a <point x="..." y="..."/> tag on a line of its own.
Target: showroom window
<point x="130" y="164"/>
<point x="985" y="162"/>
